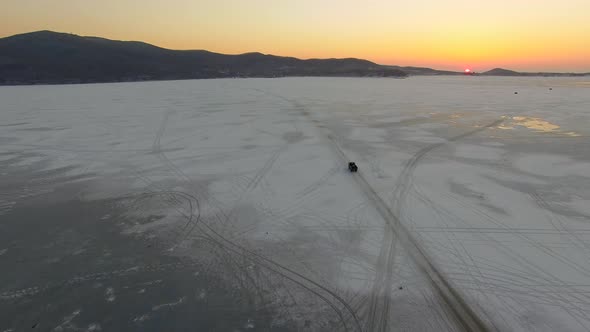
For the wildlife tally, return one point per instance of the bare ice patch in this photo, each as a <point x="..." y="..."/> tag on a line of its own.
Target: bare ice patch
<point x="535" y="124"/>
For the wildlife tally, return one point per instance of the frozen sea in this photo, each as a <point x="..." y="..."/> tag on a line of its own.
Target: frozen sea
<point x="227" y="205"/>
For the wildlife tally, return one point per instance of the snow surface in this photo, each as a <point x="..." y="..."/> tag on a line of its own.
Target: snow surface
<point x="492" y="186"/>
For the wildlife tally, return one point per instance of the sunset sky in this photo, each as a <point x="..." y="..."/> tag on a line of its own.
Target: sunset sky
<point x="447" y="34"/>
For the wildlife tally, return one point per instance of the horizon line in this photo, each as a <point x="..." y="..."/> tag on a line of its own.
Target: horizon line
<point x="302" y="58"/>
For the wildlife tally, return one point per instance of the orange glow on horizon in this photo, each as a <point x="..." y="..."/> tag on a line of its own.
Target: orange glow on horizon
<point x="530" y="35"/>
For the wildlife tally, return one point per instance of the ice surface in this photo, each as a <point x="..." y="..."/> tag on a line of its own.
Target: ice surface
<point x="254" y="164"/>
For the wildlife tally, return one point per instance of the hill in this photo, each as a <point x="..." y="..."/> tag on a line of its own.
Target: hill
<point x="51" y="57"/>
<point x="507" y="72"/>
<point x="502" y="72"/>
<point x="425" y="71"/>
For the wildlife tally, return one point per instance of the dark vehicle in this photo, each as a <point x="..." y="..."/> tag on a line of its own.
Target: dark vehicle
<point x="352" y="167"/>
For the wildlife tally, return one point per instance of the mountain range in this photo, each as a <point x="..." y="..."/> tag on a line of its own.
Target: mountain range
<point x="47" y="57"/>
<point x="50" y="57"/>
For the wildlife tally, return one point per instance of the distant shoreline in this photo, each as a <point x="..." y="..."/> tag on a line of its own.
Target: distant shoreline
<point x="197" y="79"/>
<point x="227" y="78"/>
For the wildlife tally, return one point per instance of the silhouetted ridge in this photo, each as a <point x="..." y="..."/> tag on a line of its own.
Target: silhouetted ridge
<point x="51" y="57"/>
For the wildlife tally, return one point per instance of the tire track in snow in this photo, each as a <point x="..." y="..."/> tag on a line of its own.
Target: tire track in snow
<point x="567" y="300"/>
<point x="265" y="168"/>
<point x="462" y="312"/>
<point x="320" y="182"/>
<point x="466" y="316"/>
<point x="562" y="227"/>
<point x="231" y="246"/>
<point x="337" y="297"/>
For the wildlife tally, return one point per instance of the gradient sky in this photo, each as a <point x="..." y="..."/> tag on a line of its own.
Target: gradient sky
<point x="446" y="34"/>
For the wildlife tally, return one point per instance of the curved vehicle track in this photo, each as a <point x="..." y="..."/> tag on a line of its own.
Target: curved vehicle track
<point x="223" y="242"/>
<point x="464" y="315"/>
<point x="378" y="315"/>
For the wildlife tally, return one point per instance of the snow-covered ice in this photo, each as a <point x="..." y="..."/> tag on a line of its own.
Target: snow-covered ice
<point x="493" y="187"/>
